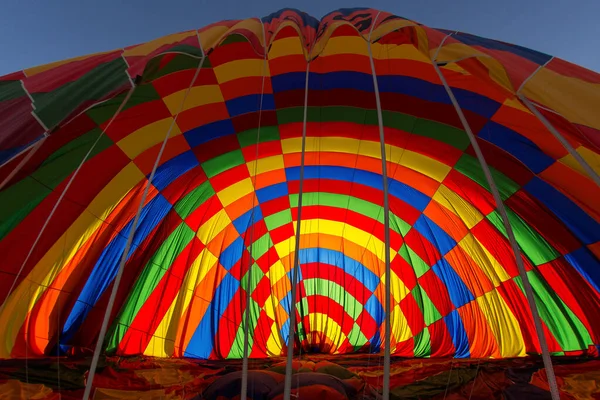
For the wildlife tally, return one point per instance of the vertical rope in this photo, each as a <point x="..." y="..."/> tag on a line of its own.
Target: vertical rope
<point x="117" y="281"/>
<point x="511" y="237"/>
<point x="244" y="386"/>
<point x="287" y="389"/>
<point x="386" y="227"/>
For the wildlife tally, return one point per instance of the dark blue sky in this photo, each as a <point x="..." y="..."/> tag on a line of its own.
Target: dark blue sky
<point x="36" y="32"/>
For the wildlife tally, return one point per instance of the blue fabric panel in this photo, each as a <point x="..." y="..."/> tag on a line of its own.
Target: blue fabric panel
<point x="458" y="291"/>
<point x="242" y="223"/>
<point x="107" y="265"/>
<point x="583" y="226"/>
<point x="232" y="254"/>
<point x="397" y="189"/>
<point x="458" y="334"/>
<point x="405" y="85"/>
<point x="272" y="192"/>
<point x="208" y="132"/>
<point x="519" y="146"/>
<point x="250" y="103"/>
<point x="173" y="169"/>
<point x="340" y="260"/>
<point x="202" y="341"/>
<point x="531" y="55"/>
<point x="587" y="264"/>
<point x="436" y="235"/>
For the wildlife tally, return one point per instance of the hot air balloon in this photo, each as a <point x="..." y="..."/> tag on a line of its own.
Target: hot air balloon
<point x="343" y="189"/>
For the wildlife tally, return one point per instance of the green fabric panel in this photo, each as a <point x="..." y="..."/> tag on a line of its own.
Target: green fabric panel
<point x="533" y="245"/>
<point x="355" y="204"/>
<point x="65" y="160"/>
<point x="356" y="338"/>
<point x="255" y="275"/>
<point x="318" y="286"/>
<point x="418" y="126"/>
<point x="53" y="107"/>
<point x="444" y="133"/>
<point x="237" y="348"/>
<point x="398" y="224"/>
<point x="179" y="63"/>
<point x="114" y="334"/>
<point x="261" y="246"/>
<point x="21" y="198"/>
<point x="302" y="308"/>
<point x="233" y="38"/>
<point x="153" y="272"/>
<point x="430" y="312"/>
<point x="267" y="134"/>
<point x="470" y="167"/>
<point x="10" y="90"/>
<point x="18" y="201"/>
<point x="416" y="262"/>
<point x="422" y="344"/>
<point x="223" y="162"/>
<point x="194" y="199"/>
<point x="276" y="220"/>
<point x="104" y="111"/>
<point x="568" y="330"/>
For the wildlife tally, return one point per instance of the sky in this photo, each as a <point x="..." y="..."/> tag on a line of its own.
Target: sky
<point x="35" y="32"/>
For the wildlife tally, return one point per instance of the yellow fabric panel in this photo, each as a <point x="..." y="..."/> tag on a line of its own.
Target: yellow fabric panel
<point x="149" y="47"/>
<point x="235" y="191"/>
<point x="215" y="225"/>
<point x="388" y="27"/>
<point x="400" y="329"/>
<point x="415" y="161"/>
<point x="162" y="343"/>
<point x="144" y="138"/>
<point x="458" y="206"/>
<point x="575" y="99"/>
<point x="29" y="291"/>
<point x="346" y="45"/>
<point x="323" y="323"/>
<point x="455" y="68"/>
<point x="455" y="51"/>
<point x="274" y="343"/>
<point x="498" y="73"/>
<point x="398" y="52"/>
<point x="198" y="96"/>
<point x="287" y="246"/>
<point x="398" y="289"/>
<point x="514" y="102"/>
<point x="503" y="323"/>
<point x="349" y="232"/>
<point x="266" y="164"/>
<point x="254" y="25"/>
<point x="241" y="69"/>
<point x="488" y="264"/>
<point x="324" y="39"/>
<point x="45" y="67"/>
<point x="210" y="37"/>
<point x="285" y="47"/>
<point x="269" y="306"/>
<point x="277" y="271"/>
<point x="590" y="157"/>
<point x="420" y="163"/>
